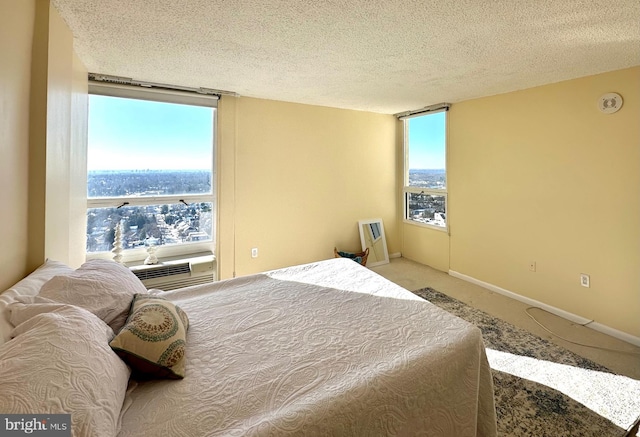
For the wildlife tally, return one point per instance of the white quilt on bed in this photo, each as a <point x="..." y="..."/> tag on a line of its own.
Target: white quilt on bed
<point x="272" y="355"/>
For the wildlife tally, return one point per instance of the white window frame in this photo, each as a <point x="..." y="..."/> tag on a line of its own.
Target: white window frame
<point x="172" y="250"/>
<point x="407" y="190"/>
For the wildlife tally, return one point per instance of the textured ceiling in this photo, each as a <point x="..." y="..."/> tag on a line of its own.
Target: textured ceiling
<point x="375" y="55"/>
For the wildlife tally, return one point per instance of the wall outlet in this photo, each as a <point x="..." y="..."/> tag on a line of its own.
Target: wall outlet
<point x="532" y="266"/>
<point x="585" y="281"/>
<point x="254" y="252"/>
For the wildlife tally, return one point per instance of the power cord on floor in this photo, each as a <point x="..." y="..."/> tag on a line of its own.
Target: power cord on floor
<point x="570" y="341"/>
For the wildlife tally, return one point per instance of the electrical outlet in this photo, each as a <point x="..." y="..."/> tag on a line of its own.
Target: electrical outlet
<point x="585" y="281"/>
<point x="254" y="252"/>
<point x="532" y="266"/>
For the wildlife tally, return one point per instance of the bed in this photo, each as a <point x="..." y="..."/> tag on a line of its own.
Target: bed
<point x="328" y="348"/>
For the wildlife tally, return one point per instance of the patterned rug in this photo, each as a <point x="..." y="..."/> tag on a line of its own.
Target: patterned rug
<point x="544" y="390"/>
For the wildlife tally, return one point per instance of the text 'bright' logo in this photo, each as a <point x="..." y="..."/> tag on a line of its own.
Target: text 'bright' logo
<point x="27" y="426"/>
<point x="41" y="424"/>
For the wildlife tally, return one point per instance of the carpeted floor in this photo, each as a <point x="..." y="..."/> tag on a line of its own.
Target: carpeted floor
<point x="544" y="390"/>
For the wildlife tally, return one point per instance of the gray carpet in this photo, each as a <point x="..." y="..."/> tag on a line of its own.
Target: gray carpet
<point x="544" y="390"/>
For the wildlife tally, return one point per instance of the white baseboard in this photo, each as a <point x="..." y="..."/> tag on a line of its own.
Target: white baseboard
<point x="557" y="311"/>
<point x="615" y="333"/>
<point x="395" y="255"/>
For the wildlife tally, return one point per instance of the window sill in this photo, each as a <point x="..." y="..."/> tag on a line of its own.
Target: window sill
<point x="178" y="251"/>
<point x="191" y="258"/>
<point x="426" y="225"/>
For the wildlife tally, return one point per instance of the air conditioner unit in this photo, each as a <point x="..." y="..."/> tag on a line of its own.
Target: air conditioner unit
<point x="177" y="273"/>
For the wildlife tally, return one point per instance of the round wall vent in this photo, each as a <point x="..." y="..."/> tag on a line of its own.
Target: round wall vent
<point x="610" y="103"/>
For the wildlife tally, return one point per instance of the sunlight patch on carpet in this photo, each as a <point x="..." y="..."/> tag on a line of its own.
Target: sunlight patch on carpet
<point x="589" y="387"/>
<point x="542" y="389"/>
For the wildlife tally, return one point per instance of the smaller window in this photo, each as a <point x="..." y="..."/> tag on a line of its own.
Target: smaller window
<point x="425" y="175"/>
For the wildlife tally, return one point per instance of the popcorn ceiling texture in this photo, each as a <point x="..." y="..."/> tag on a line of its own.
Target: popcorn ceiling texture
<point x="374" y="55"/>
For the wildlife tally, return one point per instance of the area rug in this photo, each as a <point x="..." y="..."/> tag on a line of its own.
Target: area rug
<point x="544" y="390"/>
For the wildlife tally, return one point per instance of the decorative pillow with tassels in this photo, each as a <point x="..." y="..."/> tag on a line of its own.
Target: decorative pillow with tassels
<point x="153" y="341"/>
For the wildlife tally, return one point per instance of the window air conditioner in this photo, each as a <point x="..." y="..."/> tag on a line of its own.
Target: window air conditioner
<point x="172" y="274"/>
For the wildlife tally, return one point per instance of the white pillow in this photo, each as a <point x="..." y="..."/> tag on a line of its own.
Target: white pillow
<point x="102" y="287"/>
<point x="27" y="307"/>
<point x="60" y="362"/>
<point x="29" y="286"/>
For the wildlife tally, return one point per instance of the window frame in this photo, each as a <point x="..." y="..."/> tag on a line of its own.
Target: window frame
<point x="173" y="250"/>
<point x="406" y="189"/>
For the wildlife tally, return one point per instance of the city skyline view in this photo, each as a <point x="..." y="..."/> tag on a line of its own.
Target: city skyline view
<point x="149" y="225"/>
<point x="139" y="183"/>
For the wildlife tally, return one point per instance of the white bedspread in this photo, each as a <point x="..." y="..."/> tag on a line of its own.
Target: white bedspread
<point x="272" y="354"/>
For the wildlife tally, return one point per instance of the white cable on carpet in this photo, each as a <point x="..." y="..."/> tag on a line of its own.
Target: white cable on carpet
<point x="570" y="341"/>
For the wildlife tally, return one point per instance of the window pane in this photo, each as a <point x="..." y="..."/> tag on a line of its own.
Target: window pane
<point x="427" y="208"/>
<point x="147" y="183"/>
<point x="428" y="179"/>
<point x="427" y="151"/>
<point x="146" y="148"/>
<point x="155" y="225"/>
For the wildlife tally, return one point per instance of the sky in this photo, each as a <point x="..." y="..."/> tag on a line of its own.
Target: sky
<point x="426" y="141"/>
<point x="130" y="134"/>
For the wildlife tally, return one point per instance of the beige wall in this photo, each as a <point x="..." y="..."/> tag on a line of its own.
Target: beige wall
<point x="38" y="135"/>
<point x="78" y="113"/>
<point x="541" y="175"/>
<point x="16" y="35"/>
<point x="65" y="147"/>
<point x="301" y="181"/>
<point x="426" y="246"/>
<point x="226" y="168"/>
<point x="57" y="163"/>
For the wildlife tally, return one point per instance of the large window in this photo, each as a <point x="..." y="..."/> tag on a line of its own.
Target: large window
<point x="425" y="178"/>
<point x="150" y="162"/>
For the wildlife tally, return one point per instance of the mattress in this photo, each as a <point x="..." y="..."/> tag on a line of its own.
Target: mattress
<point x="328" y="348"/>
